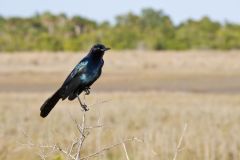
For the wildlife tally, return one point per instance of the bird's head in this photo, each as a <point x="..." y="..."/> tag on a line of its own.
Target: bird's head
<point x="99" y="49"/>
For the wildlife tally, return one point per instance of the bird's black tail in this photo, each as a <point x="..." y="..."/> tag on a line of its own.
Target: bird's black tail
<point x="49" y="104"/>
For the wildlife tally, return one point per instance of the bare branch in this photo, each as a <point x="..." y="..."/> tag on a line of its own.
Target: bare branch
<point x="82" y="136"/>
<point x="108" y="148"/>
<point x="74" y="150"/>
<point x="74" y="143"/>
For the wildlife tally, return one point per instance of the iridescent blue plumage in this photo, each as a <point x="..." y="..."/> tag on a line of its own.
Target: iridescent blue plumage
<point x="84" y="74"/>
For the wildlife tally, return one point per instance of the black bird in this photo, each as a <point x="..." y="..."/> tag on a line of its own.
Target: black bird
<point x="86" y="72"/>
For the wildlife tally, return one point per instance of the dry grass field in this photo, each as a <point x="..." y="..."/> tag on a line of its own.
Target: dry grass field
<point x="147" y="95"/>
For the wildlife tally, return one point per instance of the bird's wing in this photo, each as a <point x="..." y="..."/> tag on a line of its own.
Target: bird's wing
<point x="78" y="69"/>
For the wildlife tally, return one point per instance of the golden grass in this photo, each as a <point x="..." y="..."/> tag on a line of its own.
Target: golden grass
<point x="156" y="116"/>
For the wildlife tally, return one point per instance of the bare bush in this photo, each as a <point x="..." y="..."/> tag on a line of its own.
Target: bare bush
<point x="74" y="151"/>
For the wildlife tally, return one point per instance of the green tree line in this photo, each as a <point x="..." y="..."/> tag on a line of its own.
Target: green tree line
<point x="150" y="30"/>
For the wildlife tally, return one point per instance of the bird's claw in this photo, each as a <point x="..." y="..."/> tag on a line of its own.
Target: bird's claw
<point x="87" y="91"/>
<point x="83" y="105"/>
<point x="85" y="108"/>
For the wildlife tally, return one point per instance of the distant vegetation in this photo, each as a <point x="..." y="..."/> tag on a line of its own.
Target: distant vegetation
<point x="150" y="30"/>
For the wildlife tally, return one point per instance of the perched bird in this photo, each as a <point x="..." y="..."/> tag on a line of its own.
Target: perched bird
<point x="86" y="72"/>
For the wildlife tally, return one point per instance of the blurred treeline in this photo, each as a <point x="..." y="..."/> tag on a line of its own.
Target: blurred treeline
<point x="151" y="29"/>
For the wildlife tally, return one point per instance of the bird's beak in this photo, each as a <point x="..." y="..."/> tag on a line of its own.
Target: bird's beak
<point x="106" y="49"/>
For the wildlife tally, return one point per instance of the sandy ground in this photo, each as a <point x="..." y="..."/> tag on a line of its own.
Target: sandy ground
<point x="192" y="72"/>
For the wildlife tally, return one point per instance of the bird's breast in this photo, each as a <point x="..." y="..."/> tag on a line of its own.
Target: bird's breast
<point x="90" y="76"/>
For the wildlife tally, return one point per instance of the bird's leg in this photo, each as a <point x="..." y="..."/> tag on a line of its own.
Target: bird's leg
<point x="87" y="90"/>
<point x="84" y="106"/>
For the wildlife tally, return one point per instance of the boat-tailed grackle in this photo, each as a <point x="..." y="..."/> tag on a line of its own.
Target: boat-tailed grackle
<point x="86" y="72"/>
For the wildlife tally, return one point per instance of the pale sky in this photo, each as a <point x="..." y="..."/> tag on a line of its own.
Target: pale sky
<point x="99" y="10"/>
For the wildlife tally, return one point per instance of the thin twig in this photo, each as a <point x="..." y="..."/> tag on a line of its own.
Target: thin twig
<point x="94" y="127"/>
<point x="100" y="102"/>
<point x="108" y="148"/>
<point x="53" y="147"/>
<point x="72" y="146"/>
<point x="82" y="137"/>
<point x="125" y="151"/>
<point x="178" y="149"/>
